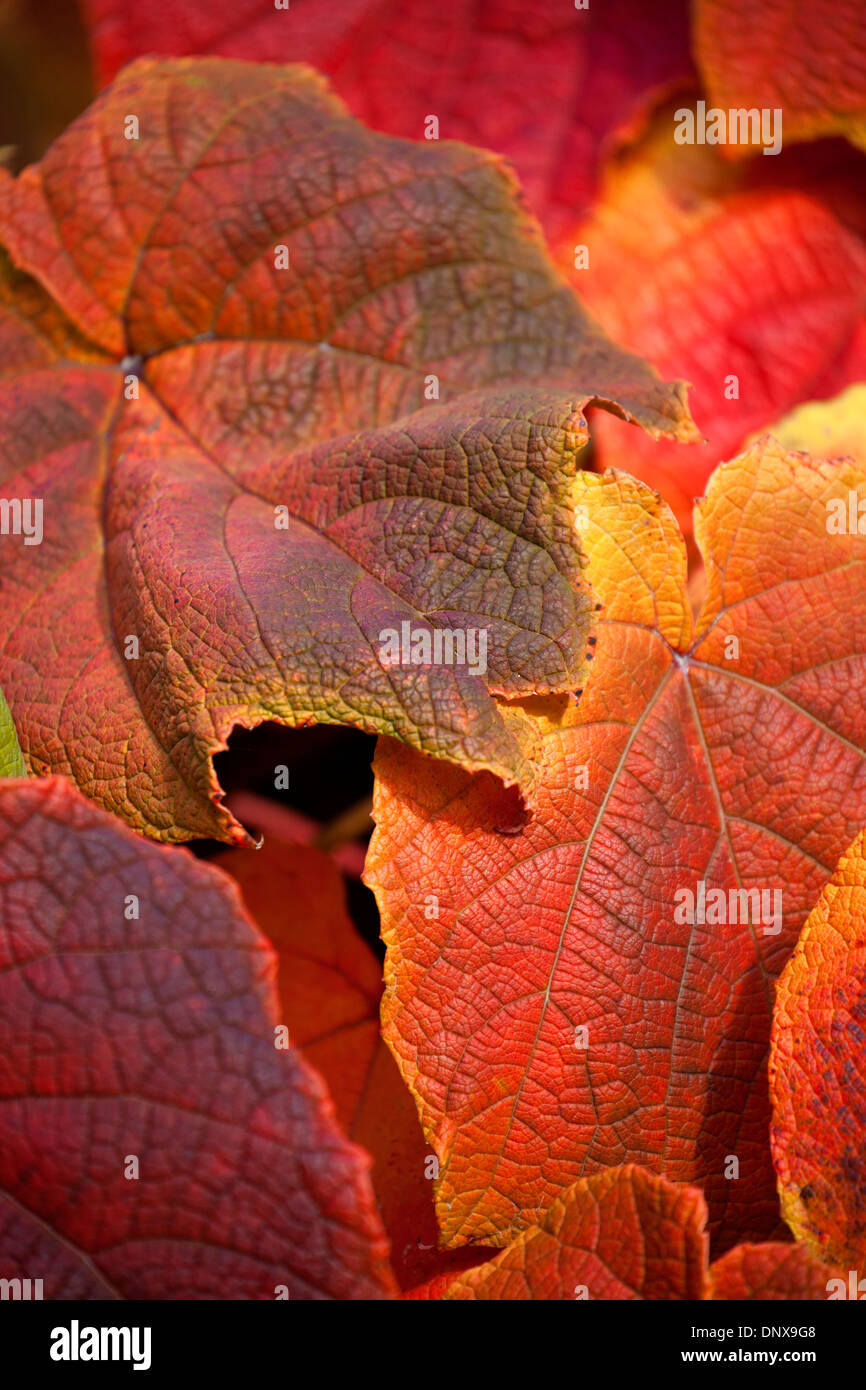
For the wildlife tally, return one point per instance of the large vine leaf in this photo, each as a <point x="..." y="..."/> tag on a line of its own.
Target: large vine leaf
<point x="807" y="57"/>
<point x="330" y="985"/>
<point x="11" y="761"/>
<point x="818" y="1072"/>
<point x="551" y="1014"/>
<point x="628" y="1234"/>
<point x="547" y="86"/>
<point x="408" y="265"/>
<point x="751" y="278"/>
<point x="155" y="1142"/>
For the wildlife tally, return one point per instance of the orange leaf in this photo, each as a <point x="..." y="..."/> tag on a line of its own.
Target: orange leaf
<point x="818" y="1072"/>
<point x="806" y="57"/>
<point x="627" y="1234"/>
<point x="623" y="1234"/>
<point x="547" y="998"/>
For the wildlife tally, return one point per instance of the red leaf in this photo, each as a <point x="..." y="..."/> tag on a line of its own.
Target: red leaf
<point x="153" y="1038"/>
<point x="547" y="86"/>
<point x="769" y="1272"/>
<point x="330" y="985"/>
<point x="751" y="279"/>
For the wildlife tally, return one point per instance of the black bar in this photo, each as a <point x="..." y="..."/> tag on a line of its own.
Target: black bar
<point x="249" y="1339"/>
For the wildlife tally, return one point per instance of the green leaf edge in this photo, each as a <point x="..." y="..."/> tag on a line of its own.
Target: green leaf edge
<point x="11" y="758"/>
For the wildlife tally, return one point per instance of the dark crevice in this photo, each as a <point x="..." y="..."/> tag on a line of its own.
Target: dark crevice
<point x="329" y="772"/>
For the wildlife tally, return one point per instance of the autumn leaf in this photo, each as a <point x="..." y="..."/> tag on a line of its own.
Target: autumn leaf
<point x="769" y="1273"/>
<point x="831" y="429"/>
<point x="11" y="761"/>
<point x="818" y="1072"/>
<point x="155" y="1142"/>
<point x="548" y="1000"/>
<point x="211" y="555"/>
<point x="330" y="985"/>
<point x="628" y="1234"/>
<point x="549" y="87"/>
<point x="751" y="278"/>
<point x="620" y="1235"/>
<point x="328" y="979"/>
<point x="433" y="1290"/>
<point x="806" y="57"/>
